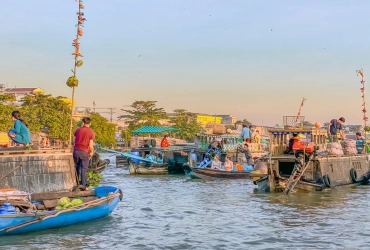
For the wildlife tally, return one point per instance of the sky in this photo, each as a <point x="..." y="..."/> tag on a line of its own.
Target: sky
<point x="252" y="59"/>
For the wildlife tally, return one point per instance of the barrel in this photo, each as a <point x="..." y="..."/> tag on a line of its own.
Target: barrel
<point x="137" y="153"/>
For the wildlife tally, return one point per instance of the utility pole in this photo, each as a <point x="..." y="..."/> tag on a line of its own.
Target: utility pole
<point x="94" y="105"/>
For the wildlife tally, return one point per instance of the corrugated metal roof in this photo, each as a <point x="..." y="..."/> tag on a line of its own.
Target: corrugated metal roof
<point x="153" y="129"/>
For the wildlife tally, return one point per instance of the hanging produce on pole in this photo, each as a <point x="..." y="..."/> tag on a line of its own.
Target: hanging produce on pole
<point x="72" y="81"/>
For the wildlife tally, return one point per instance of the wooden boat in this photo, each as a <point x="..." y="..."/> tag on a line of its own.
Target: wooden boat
<point x="173" y="159"/>
<point x="148" y="169"/>
<point x="97" y="165"/>
<point x="211" y="174"/>
<point x="100" y="203"/>
<point x="310" y="168"/>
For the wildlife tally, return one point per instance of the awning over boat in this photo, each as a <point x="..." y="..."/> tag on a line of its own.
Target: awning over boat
<point x="153" y="129"/>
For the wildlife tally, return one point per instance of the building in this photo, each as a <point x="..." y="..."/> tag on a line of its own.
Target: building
<point x="204" y="119"/>
<point x="228" y="119"/>
<point x="19" y="93"/>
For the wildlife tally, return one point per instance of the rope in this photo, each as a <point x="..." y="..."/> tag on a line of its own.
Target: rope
<point x="2" y="177"/>
<point x="79" y="208"/>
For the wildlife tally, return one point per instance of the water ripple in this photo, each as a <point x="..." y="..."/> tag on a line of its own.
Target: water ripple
<point x="173" y="212"/>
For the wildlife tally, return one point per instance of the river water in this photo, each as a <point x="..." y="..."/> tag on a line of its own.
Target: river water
<point x="173" y="212"/>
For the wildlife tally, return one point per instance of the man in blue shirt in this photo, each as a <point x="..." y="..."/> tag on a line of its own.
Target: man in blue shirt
<point x="246" y="133"/>
<point x="360" y="143"/>
<point x="334" y="127"/>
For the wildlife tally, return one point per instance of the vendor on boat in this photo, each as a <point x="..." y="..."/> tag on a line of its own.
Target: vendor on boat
<point x="159" y="157"/>
<point x="83" y="149"/>
<point x="291" y="142"/>
<point x="256" y="137"/>
<point x="360" y="143"/>
<point x="165" y="143"/>
<point x="20" y="133"/>
<point x="248" y="155"/>
<point x="216" y="163"/>
<point x="334" y="127"/>
<point x="246" y="133"/>
<point x="228" y="164"/>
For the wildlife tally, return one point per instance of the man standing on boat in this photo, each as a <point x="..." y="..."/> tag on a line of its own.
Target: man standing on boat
<point x="334" y="127"/>
<point x="246" y="134"/>
<point x="83" y="149"/>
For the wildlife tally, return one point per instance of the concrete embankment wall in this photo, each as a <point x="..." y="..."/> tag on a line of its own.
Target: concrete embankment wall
<point x="40" y="171"/>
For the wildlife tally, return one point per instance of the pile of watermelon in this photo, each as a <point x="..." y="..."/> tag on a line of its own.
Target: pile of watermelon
<point x="65" y="202"/>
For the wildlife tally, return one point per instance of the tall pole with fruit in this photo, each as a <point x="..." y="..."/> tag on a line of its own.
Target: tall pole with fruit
<point x="72" y="81"/>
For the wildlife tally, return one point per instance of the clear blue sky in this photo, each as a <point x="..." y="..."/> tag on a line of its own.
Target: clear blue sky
<point x="254" y="59"/>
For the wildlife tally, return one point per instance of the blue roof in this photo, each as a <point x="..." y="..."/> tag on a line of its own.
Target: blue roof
<point x="153" y="129"/>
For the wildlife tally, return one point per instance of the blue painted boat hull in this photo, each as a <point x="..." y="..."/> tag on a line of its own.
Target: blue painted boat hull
<point x="61" y="220"/>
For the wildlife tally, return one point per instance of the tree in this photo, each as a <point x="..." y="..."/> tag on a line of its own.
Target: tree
<point x="7" y="98"/>
<point x="186" y="123"/>
<point x="143" y="113"/>
<point x="48" y="114"/>
<point x="308" y="124"/>
<point x="103" y="129"/>
<point x="6" y="122"/>
<point x="244" y="121"/>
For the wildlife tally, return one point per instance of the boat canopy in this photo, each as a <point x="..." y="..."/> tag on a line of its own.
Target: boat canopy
<point x="153" y="129"/>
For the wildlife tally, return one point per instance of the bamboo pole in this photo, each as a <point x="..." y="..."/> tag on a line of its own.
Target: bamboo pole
<point x="80" y="21"/>
<point x="365" y="118"/>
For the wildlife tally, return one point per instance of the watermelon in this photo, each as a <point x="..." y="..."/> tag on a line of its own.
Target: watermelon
<point x="63" y="201"/>
<point x="76" y="202"/>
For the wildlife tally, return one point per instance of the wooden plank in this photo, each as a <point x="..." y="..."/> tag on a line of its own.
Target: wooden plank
<point x="58" y="195"/>
<point x="40" y="207"/>
<point x="50" y="203"/>
<point x="17" y="203"/>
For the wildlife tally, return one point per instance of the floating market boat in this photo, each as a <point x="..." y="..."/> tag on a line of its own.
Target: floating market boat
<point x="98" y="203"/>
<point x="171" y="161"/>
<point x="212" y="174"/>
<point x="203" y="170"/>
<point x="97" y="165"/>
<point x="309" y="167"/>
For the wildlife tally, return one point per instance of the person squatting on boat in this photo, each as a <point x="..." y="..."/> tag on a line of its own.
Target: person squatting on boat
<point x="83" y="149"/>
<point x="291" y="142"/>
<point x="248" y="155"/>
<point x="246" y="134"/>
<point x="360" y="143"/>
<point x="20" y="133"/>
<point x="334" y="127"/>
<point x="165" y="143"/>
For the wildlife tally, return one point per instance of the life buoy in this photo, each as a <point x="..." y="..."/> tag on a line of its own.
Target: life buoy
<point x="326" y="181"/>
<point x="353" y="174"/>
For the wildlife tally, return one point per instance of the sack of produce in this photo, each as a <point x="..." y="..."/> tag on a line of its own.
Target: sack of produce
<point x="63" y="201"/>
<point x="334" y="148"/>
<point x="58" y="208"/>
<point x="349" y="147"/>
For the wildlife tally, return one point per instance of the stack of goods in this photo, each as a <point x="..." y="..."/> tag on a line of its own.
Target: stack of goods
<point x="334" y="148"/>
<point x="349" y="147"/>
<point x="65" y="202"/>
<point x="13" y="201"/>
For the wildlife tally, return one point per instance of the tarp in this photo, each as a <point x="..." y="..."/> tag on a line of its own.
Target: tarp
<point x="153" y="129"/>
